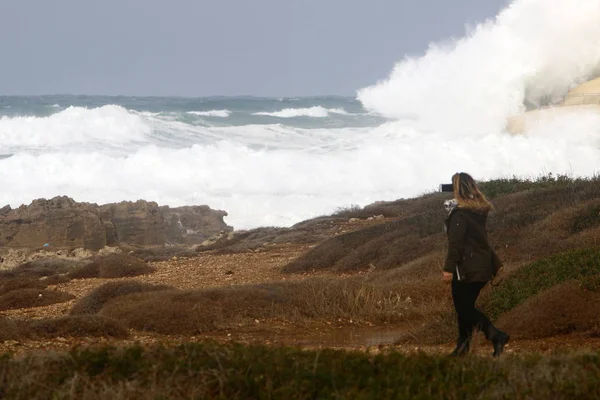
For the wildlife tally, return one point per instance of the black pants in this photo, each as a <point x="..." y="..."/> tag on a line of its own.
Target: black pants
<point x="464" y="295"/>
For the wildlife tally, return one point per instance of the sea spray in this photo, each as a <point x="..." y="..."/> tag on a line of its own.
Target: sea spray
<point x="533" y="51"/>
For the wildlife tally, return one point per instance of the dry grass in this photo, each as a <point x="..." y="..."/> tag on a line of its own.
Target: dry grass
<point x="21" y="282"/>
<point x="557" y="216"/>
<point x="559" y="310"/>
<point x="385" y="246"/>
<point x="112" y="266"/>
<point x="94" y="301"/>
<point x="70" y="326"/>
<point x="26" y="298"/>
<point x="295" y="303"/>
<point x="46" y="267"/>
<point x="256" y="239"/>
<point x="9" y="329"/>
<point x="76" y="326"/>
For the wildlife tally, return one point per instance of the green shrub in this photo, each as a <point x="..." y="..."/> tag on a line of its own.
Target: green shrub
<point x="535" y="277"/>
<point x="503" y="186"/>
<point x="591" y="283"/>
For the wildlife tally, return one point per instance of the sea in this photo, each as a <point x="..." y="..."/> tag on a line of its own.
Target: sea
<point x="278" y="161"/>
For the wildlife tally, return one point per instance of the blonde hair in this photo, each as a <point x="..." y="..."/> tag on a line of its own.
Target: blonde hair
<point x="467" y="193"/>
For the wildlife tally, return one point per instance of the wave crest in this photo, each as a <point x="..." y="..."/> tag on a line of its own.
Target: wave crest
<point x="211" y="113"/>
<point x="74" y="125"/>
<point x="314" y="112"/>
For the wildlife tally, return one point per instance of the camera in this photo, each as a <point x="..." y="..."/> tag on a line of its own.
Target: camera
<point x="447" y="187"/>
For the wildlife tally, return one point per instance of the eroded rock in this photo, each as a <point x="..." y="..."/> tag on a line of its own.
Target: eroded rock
<point x="62" y="222"/>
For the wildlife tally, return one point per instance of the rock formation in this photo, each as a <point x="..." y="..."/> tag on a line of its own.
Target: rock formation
<point x="62" y="222"/>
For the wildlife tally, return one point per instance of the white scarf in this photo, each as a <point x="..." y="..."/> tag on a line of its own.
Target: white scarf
<point x="449" y="205"/>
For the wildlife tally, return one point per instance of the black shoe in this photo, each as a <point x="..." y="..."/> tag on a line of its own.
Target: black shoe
<point x="462" y="348"/>
<point x="499" y="341"/>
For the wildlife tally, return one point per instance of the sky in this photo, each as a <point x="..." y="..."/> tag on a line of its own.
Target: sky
<point x="219" y="47"/>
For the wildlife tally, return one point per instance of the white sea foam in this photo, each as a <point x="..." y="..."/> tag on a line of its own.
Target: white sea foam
<point x="74" y="126"/>
<point x="259" y="187"/>
<point x="533" y="49"/>
<point x="314" y="112"/>
<point x="212" y="113"/>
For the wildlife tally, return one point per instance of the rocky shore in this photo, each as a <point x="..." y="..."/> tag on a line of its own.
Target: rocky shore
<point x="64" y="227"/>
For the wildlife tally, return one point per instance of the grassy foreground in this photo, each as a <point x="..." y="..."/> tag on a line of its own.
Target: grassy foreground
<point x="233" y="371"/>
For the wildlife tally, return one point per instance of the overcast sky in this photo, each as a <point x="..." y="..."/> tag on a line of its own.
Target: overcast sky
<point x="218" y="47"/>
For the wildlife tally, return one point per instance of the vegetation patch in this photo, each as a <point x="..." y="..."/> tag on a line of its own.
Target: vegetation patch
<point x="9" y="329"/>
<point x="233" y="371"/>
<point x="295" y="303"/>
<point x="112" y="266"/>
<point x="587" y="219"/>
<point x="560" y="310"/>
<point x="95" y="300"/>
<point x="503" y="186"/>
<point x="20" y="282"/>
<point x="76" y="326"/>
<point x="46" y="267"/>
<point x="26" y="298"/>
<point x="532" y="279"/>
<point x="386" y="246"/>
<point x="70" y="326"/>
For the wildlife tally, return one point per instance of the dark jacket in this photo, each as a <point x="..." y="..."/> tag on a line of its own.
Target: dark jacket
<point x="470" y="257"/>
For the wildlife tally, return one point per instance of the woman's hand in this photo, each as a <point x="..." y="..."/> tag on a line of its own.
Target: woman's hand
<point x="447" y="276"/>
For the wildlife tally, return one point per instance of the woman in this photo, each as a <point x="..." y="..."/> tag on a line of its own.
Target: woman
<point x="470" y="263"/>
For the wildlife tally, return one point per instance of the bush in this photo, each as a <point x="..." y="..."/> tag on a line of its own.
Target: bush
<point x="55" y="279"/>
<point x="9" y="329"/>
<point x="76" y="326"/>
<point x="562" y="309"/>
<point x="589" y="218"/>
<point x="296" y="303"/>
<point x="21" y="282"/>
<point x="95" y="300"/>
<point x="503" y="186"/>
<point x="70" y="326"/>
<point x="591" y="283"/>
<point x="26" y="298"/>
<point x="47" y="267"/>
<point x="91" y="270"/>
<point x="534" y="278"/>
<point x="112" y="266"/>
<point x="387" y="245"/>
